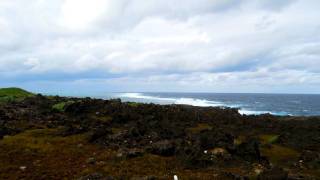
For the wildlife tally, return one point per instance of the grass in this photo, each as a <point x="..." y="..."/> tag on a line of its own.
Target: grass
<point x="268" y="138"/>
<point x="239" y="140"/>
<point x="199" y="128"/>
<point x="44" y="153"/>
<point x="133" y="104"/>
<point x="47" y="155"/>
<point x="279" y="154"/>
<point x="40" y="140"/>
<point x="61" y="106"/>
<point x="13" y="94"/>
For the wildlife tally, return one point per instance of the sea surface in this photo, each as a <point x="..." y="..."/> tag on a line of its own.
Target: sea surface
<point x="250" y="104"/>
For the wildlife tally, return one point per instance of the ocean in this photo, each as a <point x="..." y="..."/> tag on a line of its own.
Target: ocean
<point x="249" y="104"/>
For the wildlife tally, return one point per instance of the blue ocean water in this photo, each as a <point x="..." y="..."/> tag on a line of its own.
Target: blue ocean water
<point x="277" y="104"/>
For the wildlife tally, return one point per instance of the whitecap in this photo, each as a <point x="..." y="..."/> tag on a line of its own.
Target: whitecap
<point x="181" y="101"/>
<point x="142" y="96"/>
<point x="252" y="112"/>
<point x="195" y="102"/>
<point x="198" y="102"/>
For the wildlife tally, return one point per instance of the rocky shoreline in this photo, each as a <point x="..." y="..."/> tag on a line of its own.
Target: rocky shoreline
<point x="51" y="137"/>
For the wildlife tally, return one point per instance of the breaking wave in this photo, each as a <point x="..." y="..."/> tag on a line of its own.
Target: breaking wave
<point x="140" y="97"/>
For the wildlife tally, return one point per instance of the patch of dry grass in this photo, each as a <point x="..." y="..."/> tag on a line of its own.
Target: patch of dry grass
<point x="199" y="128"/>
<point x="279" y="154"/>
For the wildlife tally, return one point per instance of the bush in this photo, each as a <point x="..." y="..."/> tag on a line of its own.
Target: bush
<point x="60" y="107"/>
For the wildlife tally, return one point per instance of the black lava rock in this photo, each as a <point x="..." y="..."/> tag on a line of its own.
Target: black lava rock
<point x="249" y="151"/>
<point x="163" y="148"/>
<point x="275" y="173"/>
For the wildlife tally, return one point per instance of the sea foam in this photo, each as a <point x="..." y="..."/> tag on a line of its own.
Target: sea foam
<point x="140" y="97"/>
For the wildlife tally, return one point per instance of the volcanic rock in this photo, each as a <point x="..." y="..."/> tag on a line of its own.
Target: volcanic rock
<point x="273" y="173"/>
<point x="163" y="148"/>
<point x="249" y="151"/>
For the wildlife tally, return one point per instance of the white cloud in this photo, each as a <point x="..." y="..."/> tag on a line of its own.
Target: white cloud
<point x="204" y="41"/>
<point x="80" y="14"/>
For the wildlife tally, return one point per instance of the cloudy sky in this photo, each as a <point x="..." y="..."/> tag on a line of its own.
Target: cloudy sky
<point x="70" y="46"/>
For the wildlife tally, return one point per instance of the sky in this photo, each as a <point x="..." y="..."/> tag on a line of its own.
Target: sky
<point x="97" y="46"/>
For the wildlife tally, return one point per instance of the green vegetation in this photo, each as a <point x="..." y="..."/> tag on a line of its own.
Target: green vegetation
<point x="239" y="140"/>
<point x="52" y="137"/>
<point x="13" y="94"/>
<point x="280" y="154"/>
<point x="44" y="154"/>
<point x="199" y="128"/>
<point x="39" y="140"/>
<point x="61" y="106"/>
<point x="269" y="138"/>
<point x="133" y="104"/>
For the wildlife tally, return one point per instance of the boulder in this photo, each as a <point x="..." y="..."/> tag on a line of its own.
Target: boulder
<point x="3" y="115"/>
<point x="310" y="159"/>
<point x="132" y="153"/>
<point x="229" y="175"/>
<point x="192" y="156"/>
<point x="210" y="139"/>
<point x="134" y="132"/>
<point x="72" y="130"/>
<point x="144" y="178"/>
<point x="273" y="173"/>
<point x="249" y="151"/>
<point x="3" y="131"/>
<point x="91" y="160"/>
<point x="96" y="176"/>
<point x="220" y="153"/>
<point x="308" y="156"/>
<point x="163" y="148"/>
<point x="98" y="133"/>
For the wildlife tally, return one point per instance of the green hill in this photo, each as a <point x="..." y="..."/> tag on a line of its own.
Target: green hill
<point x="13" y="94"/>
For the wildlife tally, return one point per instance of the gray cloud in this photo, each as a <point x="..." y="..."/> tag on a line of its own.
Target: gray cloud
<point x="217" y="43"/>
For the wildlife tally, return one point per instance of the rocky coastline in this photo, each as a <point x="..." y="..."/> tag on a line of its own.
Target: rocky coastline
<point x="51" y="137"/>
